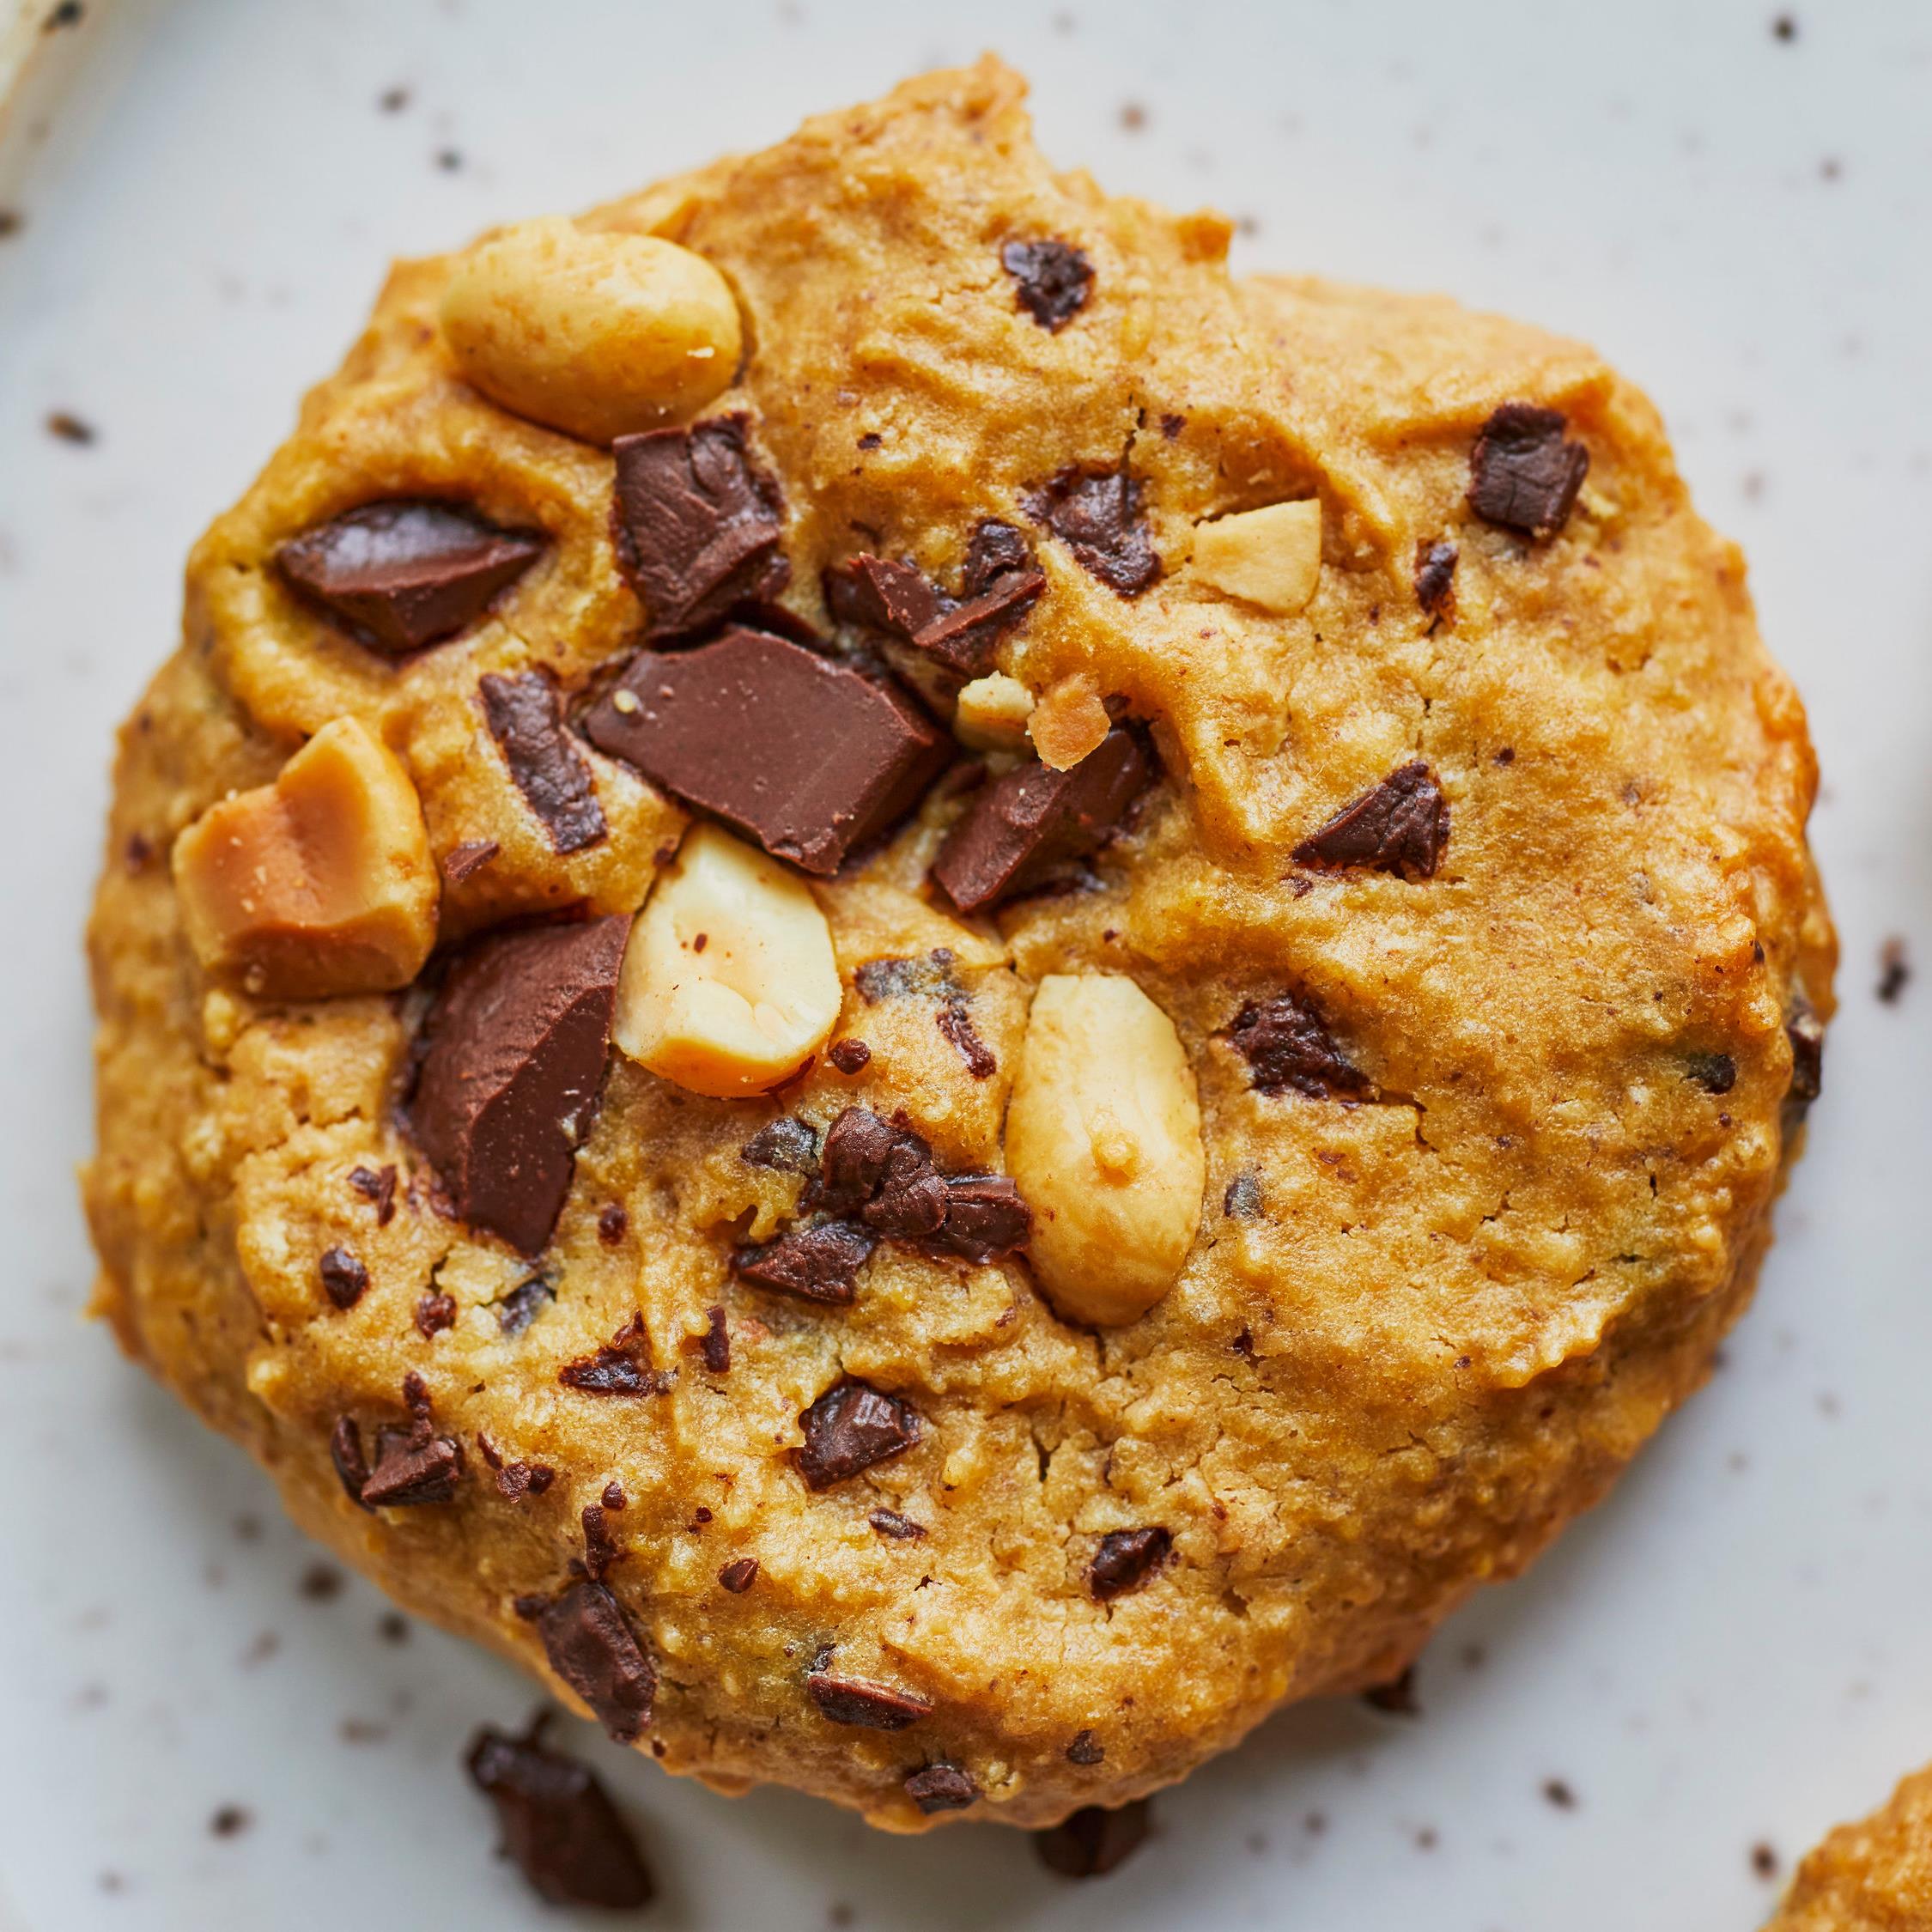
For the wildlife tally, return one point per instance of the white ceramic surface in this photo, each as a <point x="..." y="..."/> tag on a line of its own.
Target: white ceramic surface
<point x="1734" y="1651"/>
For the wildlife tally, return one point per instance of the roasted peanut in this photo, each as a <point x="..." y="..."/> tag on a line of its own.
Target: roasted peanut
<point x="1103" y="1139"/>
<point x="1271" y="557"/>
<point x="729" y="984"/>
<point x="1069" y="721"/>
<point x="990" y="713"/>
<point x="319" y="884"/>
<point x="594" y="334"/>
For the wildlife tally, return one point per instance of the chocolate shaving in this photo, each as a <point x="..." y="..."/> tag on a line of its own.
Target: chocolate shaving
<point x="856" y="1700"/>
<point x="1522" y="473"/>
<point x="1053" y="280"/>
<point x="941" y="1787"/>
<point x="1399" y="826"/>
<point x="816" y="1264"/>
<point x="1287" y="1043"/>
<point x="1093" y="1842"/>
<point x="1435" y="577"/>
<point x="592" y="1648"/>
<point x="406" y="573"/>
<point x="851" y="1427"/>
<point x="526" y="717"/>
<point x="1125" y="1559"/>
<point x="344" y="1279"/>
<point x="956" y="1024"/>
<point x="1100" y="516"/>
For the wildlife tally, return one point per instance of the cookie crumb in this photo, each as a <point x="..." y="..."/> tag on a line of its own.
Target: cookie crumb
<point x="1895" y="970"/>
<point x="1764" y="1859"/>
<point x="1557" y="1793"/>
<point x="69" y="427"/>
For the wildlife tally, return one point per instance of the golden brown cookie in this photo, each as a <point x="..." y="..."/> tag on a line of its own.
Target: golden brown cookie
<point x="1119" y="967"/>
<point x="1872" y="1876"/>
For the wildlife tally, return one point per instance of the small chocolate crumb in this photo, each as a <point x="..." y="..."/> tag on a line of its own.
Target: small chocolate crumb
<point x="1053" y="280"/>
<point x="138" y="852"/>
<point x="392" y="1627"/>
<point x="851" y="1427"/>
<point x="69" y="427"/>
<point x="1784" y="27"/>
<point x="343" y="1278"/>
<point x="599" y="1551"/>
<point x="612" y="1224"/>
<point x="1397" y="1697"/>
<point x="1094" y="1841"/>
<point x="1435" y="577"/>
<point x="1133" y="116"/>
<point x="449" y="158"/>
<point x="620" y="1366"/>
<point x="230" y="1821"/>
<point x="11" y="223"/>
<point x="377" y="1187"/>
<point x="941" y="1787"/>
<point x="320" y="1582"/>
<point x="1895" y="970"/>
<point x="849" y="1056"/>
<point x="1764" y="1859"/>
<point x="900" y="1529"/>
<point x="614" y="1496"/>
<point x="1806" y="1032"/>
<point x="1715" y="1072"/>
<point x="716" y="1346"/>
<point x="956" y="1024"/>
<point x="462" y="861"/>
<point x="434" y="1312"/>
<point x="859" y="1701"/>
<point x="524" y="1304"/>
<point x="739" y="1576"/>
<point x="1125" y="1559"/>
<point x="393" y="100"/>
<point x="1085" y="1749"/>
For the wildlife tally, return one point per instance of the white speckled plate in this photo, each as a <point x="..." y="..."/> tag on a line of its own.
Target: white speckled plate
<point x="1733" y="1653"/>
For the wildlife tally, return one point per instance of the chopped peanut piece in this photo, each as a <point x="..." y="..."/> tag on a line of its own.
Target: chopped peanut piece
<point x="1271" y="557"/>
<point x="1069" y="721"/>
<point x="729" y="984"/>
<point x="321" y="883"/>
<point x="992" y="713"/>
<point x="596" y="334"/>
<point x="1103" y="1141"/>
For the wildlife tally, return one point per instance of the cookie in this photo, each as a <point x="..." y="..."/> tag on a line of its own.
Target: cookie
<point x="931" y="1000"/>
<point x="1872" y="1876"/>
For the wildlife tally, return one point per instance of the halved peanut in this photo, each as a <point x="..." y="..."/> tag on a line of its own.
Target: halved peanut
<point x="594" y="334"/>
<point x="1103" y="1139"/>
<point x="1271" y="556"/>
<point x="729" y="984"/>
<point x="992" y="711"/>
<point x="319" y="884"/>
<point x="1069" y="721"/>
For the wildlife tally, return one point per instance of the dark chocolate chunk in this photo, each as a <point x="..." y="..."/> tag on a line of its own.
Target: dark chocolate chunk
<point x="985" y="1218"/>
<point x="592" y="1647"/>
<point x="558" y="1824"/>
<point x="1085" y="1749"/>
<point x="808" y="757"/>
<point x="621" y="1366"/>
<point x="1093" y="1842"/>
<point x="1098" y="515"/>
<point x="343" y="1278"/>
<point x="1242" y="1200"/>
<point x="787" y="1144"/>
<point x="849" y="1056"/>
<point x="1022" y="827"/>
<point x="1806" y="1032"/>
<point x="739" y="1576"/>
<point x="698" y="528"/>
<point x="1286" y="1044"/>
<point x="885" y="1173"/>
<point x="434" y="1312"/>
<point x="856" y="1700"/>
<point x="912" y="1200"/>
<point x="956" y="1024"/>
<point x="1052" y="279"/>
<point x="1125" y="1559"/>
<point x="1396" y="1697"/>
<point x="716" y="1347"/>
<point x="898" y="601"/>
<point x="1522" y="473"/>
<point x="376" y="1185"/>
<point x="1715" y="1072"/>
<point x="526" y="717"/>
<point x="466" y="860"/>
<point x="1435" y="577"/>
<point x="854" y="1159"/>
<point x="849" y="1428"/>
<point x="412" y="1468"/>
<point x="877" y="593"/>
<point x="516" y="1041"/>
<point x="406" y="573"/>
<point x="900" y="1529"/>
<point x="994" y="551"/>
<point x="941" y="1787"/>
<point x="1399" y="826"/>
<point x="612" y="1224"/>
<point x="816" y="1264"/>
<point x="345" y="1451"/>
<point x="524" y="1304"/>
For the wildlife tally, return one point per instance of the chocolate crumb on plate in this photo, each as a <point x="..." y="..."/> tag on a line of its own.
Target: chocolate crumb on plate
<point x="69" y="427"/>
<point x="1094" y="1841"/>
<point x="230" y="1821"/>
<point x="1895" y="970"/>
<point x="1397" y="1697"/>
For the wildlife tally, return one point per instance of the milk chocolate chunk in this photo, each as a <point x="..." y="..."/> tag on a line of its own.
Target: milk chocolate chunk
<point x="409" y="572"/>
<point x="526" y="717"/>
<point x="697" y="526"/>
<point x="1400" y="826"/>
<point x="1053" y="280"/>
<point x="1286" y="1044"/>
<point x="807" y="757"/>
<point x="1522" y="473"/>
<point x="1100" y="518"/>
<point x="592" y="1647"/>
<point x="1093" y="1842"/>
<point x="856" y="1700"/>
<point x="1024" y="826"/>
<point x="941" y="1787"/>
<point x="558" y="1824"/>
<point x="985" y="1218"/>
<point x="849" y="1428"/>
<point x="816" y="1264"/>
<point x="516" y="1046"/>
<point x="878" y="593"/>
<point x="786" y="1143"/>
<point x="1125" y="1559"/>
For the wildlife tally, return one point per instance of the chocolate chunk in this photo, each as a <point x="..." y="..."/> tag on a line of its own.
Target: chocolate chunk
<point x="1053" y="280"/>
<point x="1124" y="1560"/>
<point x="1023" y="826"/>
<point x="985" y="1218"/>
<point x="344" y="1277"/>
<point x="808" y="757"/>
<point x="345" y="1451"/>
<point x="1098" y="515"/>
<point x="698" y="528"/>
<point x="1399" y="826"/>
<point x="524" y="1304"/>
<point x="1286" y="1044"/>
<point x="896" y="601"/>
<point x="621" y="1366"/>
<point x="558" y="1824"/>
<point x="1085" y="1749"/>
<point x="849" y="1056"/>
<point x="600" y="1552"/>
<point x="614" y="1496"/>
<point x="816" y="1264"/>
<point x="516" y="1041"/>
<point x="941" y="1787"/>
<point x="1522" y="473"/>
<point x="716" y="1347"/>
<point x="1242" y="1200"/>
<point x="900" y="1529"/>
<point x="877" y="593"/>
<point x="956" y="1024"/>
<point x="994" y="551"/>
<point x="787" y="1144"/>
<point x="466" y="860"/>
<point x="739" y="1576"/>
<point x="849" y="1428"/>
<point x="911" y="1201"/>
<point x="377" y="1185"/>
<point x="1806" y="1032"/>
<point x="406" y="573"/>
<point x="856" y="1700"/>
<point x="1093" y="1842"/>
<point x="1397" y="1697"/>
<point x="1715" y="1072"/>
<point x="526" y="717"/>
<point x="412" y="1470"/>
<point x="854" y="1159"/>
<point x="1435" y="577"/>
<point x="612" y="1224"/>
<point x="592" y="1647"/>
<point x="434" y="1312"/>
<point x="516" y="1480"/>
